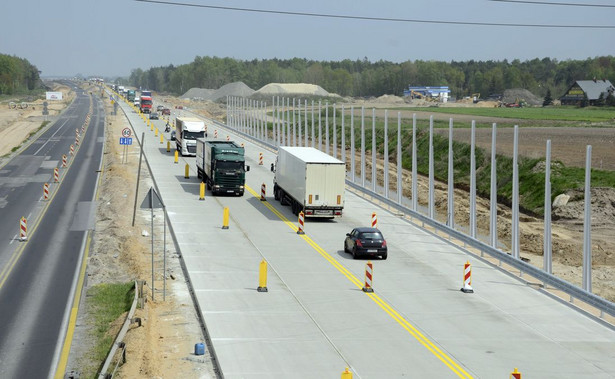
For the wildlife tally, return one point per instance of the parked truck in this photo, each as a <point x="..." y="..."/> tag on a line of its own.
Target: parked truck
<point x="310" y="181"/>
<point x="221" y="165"/>
<point x="145" y="104"/>
<point x="187" y="130"/>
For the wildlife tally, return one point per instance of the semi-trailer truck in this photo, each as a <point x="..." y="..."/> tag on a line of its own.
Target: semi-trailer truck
<point x="187" y="130"/>
<point x="130" y="96"/>
<point x="310" y="181"/>
<point x="222" y="166"/>
<point x="146" y="104"/>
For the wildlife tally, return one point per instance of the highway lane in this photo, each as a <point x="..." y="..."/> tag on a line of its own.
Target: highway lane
<point x="315" y="319"/>
<point x="38" y="275"/>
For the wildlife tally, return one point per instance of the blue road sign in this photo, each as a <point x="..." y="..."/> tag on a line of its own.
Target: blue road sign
<point x="125" y="141"/>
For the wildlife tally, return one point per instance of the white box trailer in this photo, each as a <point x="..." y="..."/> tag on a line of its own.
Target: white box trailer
<point x="310" y="181"/>
<point x="187" y="130"/>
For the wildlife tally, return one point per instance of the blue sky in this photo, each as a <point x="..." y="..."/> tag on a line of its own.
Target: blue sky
<point x="113" y="37"/>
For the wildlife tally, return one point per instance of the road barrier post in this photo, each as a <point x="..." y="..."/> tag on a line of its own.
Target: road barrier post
<point x="168" y="146"/>
<point x="228" y="138"/>
<point x="72" y="149"/>
<point x="46" y="191"/>
<point x="56" y="175"/>
<point x="369" y="269"/>
<point x="23" y="228"/>
<point x="347" y="374"/>
<point x="176" y="156"/>
<point x="187" y="171"/>
<point x="156" y="132"/>
<point x="374" y="220"/>
<point x="216" y="133"/>
<point x="263" y="189"/>
<point x="467" y="278"/>
<point x="260" y="159"/>
<point x="202" y="191"/>
<point x="225" y="217"/>
<point x="63" y="160"/>
<point x="262" y="277"/>
<point x="301" y="226"/>
<point x="515" y="374"/>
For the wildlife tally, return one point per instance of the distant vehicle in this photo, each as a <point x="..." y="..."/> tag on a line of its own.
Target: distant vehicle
<point x="166" y="111"/>
<point x="173" y="135"/>
<point x="153" y="116"/>
<point x="188" y="129"/>
<point x="310" y="181"/>
<point x="365" y="242"/>
<point x="222" y="166"/>
<point x="130" y="96"/>
<point x="146" y="104"/>
<point x="146" y="93"/>
<point x="159" y="108"/>
<point x="137" y="103"/>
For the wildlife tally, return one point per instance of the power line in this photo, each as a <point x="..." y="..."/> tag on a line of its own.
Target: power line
<point x="385" y="19"/>
<point x="555" y="3"/>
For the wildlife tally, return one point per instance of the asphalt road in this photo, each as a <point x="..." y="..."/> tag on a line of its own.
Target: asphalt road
<point x="314" y="321"/>
<point x="38" y="275"/>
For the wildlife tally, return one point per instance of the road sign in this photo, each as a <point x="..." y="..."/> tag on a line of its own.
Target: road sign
<point x="125" y="141"/>
<point x="126" y="132"/>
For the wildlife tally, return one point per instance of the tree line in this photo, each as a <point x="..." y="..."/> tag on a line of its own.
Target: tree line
<point x="362" y="78"/>
<point x="17" y="75"/>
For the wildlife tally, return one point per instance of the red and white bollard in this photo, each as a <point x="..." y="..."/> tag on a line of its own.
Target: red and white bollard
<point x="301" y="223"/>
<point x="56" y="175"/>
<point x="374" y="220"/>
<point x="515" y="374"/>
<point x="46" y="191"/>
<point x="63" y="160"/>
<point x="23" y="229"/>
<point x="77" y="141"/>
<point x="242" y="145"/>
<point x="228" y="138"/>
<point x="263" y="189"/>
<point x="260" y="159"/>
<point x="216" y="133"/>
<point x="72" y="149"/>
<point x="369" y="270"/>
<point x="77" y="131"/>
<point x="467" y="278"/>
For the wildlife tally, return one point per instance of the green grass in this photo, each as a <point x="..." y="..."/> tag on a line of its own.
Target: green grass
<point x="106" y="302"/>
<point x="565" y="113"/>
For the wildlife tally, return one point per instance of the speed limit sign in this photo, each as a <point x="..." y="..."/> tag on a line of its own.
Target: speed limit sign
<point x="126" y="132"/>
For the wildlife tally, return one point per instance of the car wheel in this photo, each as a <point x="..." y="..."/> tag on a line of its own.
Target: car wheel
<point x="354" y="253"/>
<point x="384" y="256"/>
<point x="345" y="249"/>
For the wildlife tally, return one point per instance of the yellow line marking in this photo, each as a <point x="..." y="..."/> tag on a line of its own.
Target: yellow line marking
<point x="411" y="329"/>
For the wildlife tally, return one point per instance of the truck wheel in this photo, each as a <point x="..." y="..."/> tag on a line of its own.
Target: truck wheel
<point x="198" y="173"/>
<point x="276" y="194"/>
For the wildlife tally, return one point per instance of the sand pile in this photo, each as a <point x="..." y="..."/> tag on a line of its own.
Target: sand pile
<point x="389" y="99"/>
<point x="198" y="93"/>
<point x="238" y="89"/>
<point x="301" y="89"/>
<point x="514" y="94"/>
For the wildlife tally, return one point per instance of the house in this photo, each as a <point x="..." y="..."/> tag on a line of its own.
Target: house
<point x="591" y="88"/>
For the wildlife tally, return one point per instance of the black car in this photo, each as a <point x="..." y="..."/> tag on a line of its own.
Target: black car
<point x="153" y="116"/>
<point x="365" y="242"/>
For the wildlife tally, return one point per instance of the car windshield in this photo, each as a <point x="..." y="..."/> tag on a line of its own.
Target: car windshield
<point x="224" y="165"/>
<point x="371" y="236"/>
<point x="146" y="102"/>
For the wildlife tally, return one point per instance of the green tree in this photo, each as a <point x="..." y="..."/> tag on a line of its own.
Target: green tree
<point x="600" y="102"/>
<point x="548" y="99"/>
<point x="610" y="100"/>
<point x="585" y="101"/>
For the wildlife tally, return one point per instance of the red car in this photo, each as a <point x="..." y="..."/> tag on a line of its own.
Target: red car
<point x="166" y="111"/>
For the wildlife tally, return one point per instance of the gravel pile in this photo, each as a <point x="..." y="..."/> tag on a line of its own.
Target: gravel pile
<point x="198" y="93"/>
<point x="300" y="89"/>
<point x="239" y="89"/>
<point x="511" y="95"/>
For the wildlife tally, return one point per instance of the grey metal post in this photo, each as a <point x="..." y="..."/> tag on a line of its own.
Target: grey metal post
<point x="374" y="177"/>
<point x="587" y="224"/>
<point x="363" y="146"/>
<point x="386" y="154"/>
<point x="306" y="123"/>
<point x="283" y="122"/>
<point x="451" y="184"/>
<point x="334" y="133"/>
<point x="288" y="121"/>
<point x="431" y="170"/>
<point x="399" y="168"/>
<point x="415" y="191"/>
<point x="515" y="199"/>
<point x="547" y="261"/>
<point x="299" y="142"/>
<point x="319" y="127"/>
<point x="276" y="125"/>
<point x="228" y="106"/>
<point x="327" y="127"/>
<point x="343" y="133"/>
<point x="493" y="197"/>
<point x="473" y="181"/>
<point x="352" y="155"/>
<point x="313" y="134"/>
<point x="294" y="125"/>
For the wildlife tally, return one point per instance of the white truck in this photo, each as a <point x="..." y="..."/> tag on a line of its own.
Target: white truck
<point x="310" y="181"/>
<point x="187" y="130"/>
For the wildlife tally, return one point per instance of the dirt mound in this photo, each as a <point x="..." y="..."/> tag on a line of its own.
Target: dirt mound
<point x="514" y="94"/>
<point x="389" y="99"/>
<point x="602" y="206"/>
<point x="239" y="89"/>
<point x="300" y="89"/>
<point x="198" y="94"/>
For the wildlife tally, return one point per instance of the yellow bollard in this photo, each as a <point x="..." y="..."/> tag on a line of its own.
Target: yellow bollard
<point x="187" y="174"/>
<point x="347" y="374"/>
<point x="262" y="277"/>
<point x="202" y="191"/>
<point x="156" y="133"/>
<point x="168" y="146"/>
<point x="161" y="138"/>
<point x="151" y="125"/>
<point x="176" y="156"/>
<point x="225" y="218"/>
